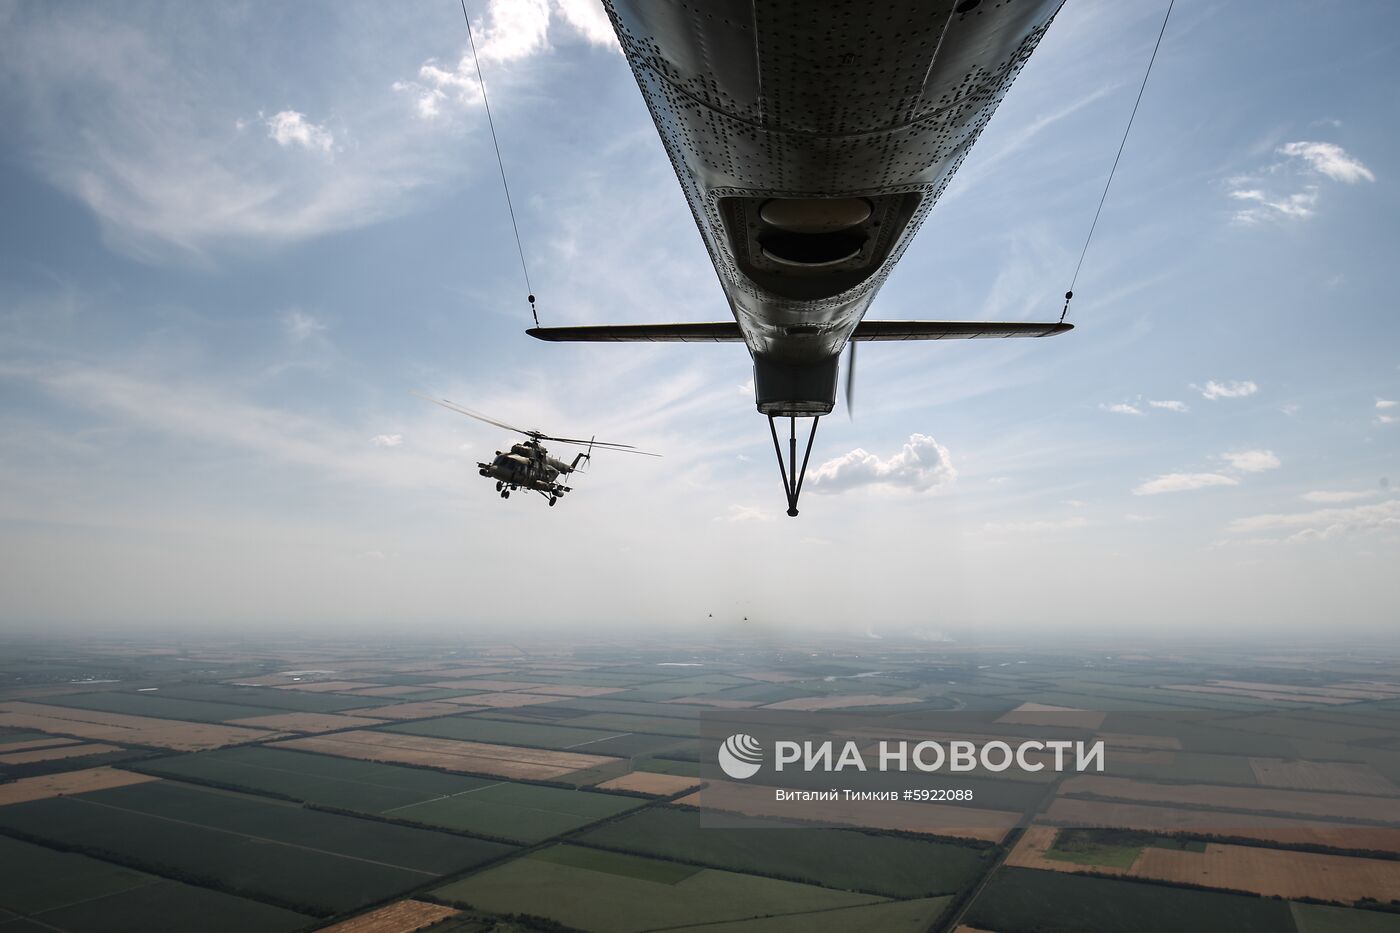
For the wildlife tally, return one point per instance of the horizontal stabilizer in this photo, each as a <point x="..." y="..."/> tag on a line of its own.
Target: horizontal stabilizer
<point x="953" y="330"/>
<point x="723" y="331"/>
<point x="728" y="331"/>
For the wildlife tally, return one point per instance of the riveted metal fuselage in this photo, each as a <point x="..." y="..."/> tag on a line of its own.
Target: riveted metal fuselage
<point x="811" y="138"/>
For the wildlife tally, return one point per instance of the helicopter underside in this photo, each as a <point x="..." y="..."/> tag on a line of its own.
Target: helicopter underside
<point x="511" y="477"/>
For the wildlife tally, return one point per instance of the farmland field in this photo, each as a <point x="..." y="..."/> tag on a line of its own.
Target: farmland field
<point x="294" y="857"/>
<point x="73" y="892"/>
<point x="596" y="890"/>
<point x="152" y="704"/>
<point x="1024" y="900"/>
<point x="539" y="735"/>
<point x="505" y="761"/>
<point x="519" y="812"/>
<point x="269" y="697"/>
<point x="893" y="866"/>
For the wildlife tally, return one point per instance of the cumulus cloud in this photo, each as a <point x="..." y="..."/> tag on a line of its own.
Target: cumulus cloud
<point x="1182" y="482"/>
<point x="1169" y="405"/>
<point x="1260" y="194"/>
<point x="1235" y="389"/>
<point x="512" y="30"/>
<point x="1253" y="461"/>
<point x="1330" y="160"/>
<point x="1386" y="403"/>
<point x="386" y="440"/>
<point x="1122" y="408"/>
<point x="1320" y="524"/>
<point x="588" y="17"/>
<point x="923" y="464"/>
<point x="291" y="128"/>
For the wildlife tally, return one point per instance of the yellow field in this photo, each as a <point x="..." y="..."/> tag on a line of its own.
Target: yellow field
<point x="657" y="785"/>
<point x="121" y="728"/>
<point x="56" y="752"/>
<point x="507" y="761"/>
<point x="402" y="917"/>
<point x="307" y="722"/>
<point x="69" y="782"/>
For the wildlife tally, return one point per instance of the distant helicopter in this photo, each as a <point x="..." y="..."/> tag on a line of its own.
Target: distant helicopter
<point x="528" y="465"/>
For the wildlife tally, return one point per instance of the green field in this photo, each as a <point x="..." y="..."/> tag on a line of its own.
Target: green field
<point x="604" y="891"/>
<point x="1315" y="918"/>
<point x="538" y="735"/>
<point x="73" y="892"/>
<point x="295" y="700"/>
<point x="889" y="917"/>
<point x="343" y="783"/>
<point x="282" y="853"/>
<point x="153" y="704"/>
<point x="1116" y="848"/>
<point x="1024" y="900"/>
<point x="520" y="812"/>
<point x="893" y="866"/>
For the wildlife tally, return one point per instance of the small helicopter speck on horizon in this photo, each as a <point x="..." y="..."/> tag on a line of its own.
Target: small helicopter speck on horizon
<point x="528" y="465"/>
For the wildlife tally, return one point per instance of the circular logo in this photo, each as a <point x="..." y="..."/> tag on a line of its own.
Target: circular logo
<point x="740" y="756"/>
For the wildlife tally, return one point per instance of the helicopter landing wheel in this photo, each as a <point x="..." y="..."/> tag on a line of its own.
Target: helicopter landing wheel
<point x="505" y="493"/>
<point x="499" y="484"/>
<point x="552" y="500"/>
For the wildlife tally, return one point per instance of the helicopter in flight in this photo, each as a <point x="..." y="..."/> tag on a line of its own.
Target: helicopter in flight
<point x="528" y="465"/>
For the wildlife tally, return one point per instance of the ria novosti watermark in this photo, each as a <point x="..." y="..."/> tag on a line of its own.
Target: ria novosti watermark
<point x="741" y="756"/>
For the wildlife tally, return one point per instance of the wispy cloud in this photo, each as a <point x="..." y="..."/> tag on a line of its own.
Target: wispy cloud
<point x="921" y="465"/>
<point x="1035" y="526"/>
<point x="1297" y="173"/>
<point x="1183" y="482"/>
<point x="386" y="440"/>
<point x="1338" y="497"/>
<point x="1169" y="405"/>
<point x="1253" y="461"/>
<point x="1320" y="524"/>
<point x="1329" y="159"/>
<point x="301" y="326"/>
<point x="1235" y="389"/>
<point x="1122" y="408"/>
<point x="747" y="513"/>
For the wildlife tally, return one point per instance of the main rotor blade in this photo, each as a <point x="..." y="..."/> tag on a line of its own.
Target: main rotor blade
<point x="851" y="383"/>
<point x="601" y="445"/>
<point x="472" y="414"/>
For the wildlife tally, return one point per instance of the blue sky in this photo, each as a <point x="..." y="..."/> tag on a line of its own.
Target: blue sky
<point x="236" y="238"/>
